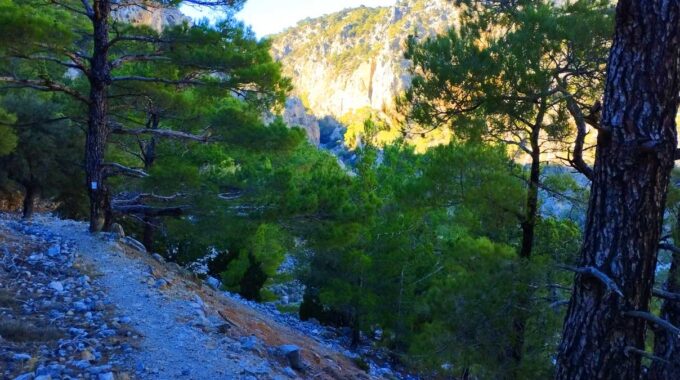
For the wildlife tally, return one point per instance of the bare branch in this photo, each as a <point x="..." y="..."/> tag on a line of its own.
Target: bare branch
<point x="88" y="8"/>
<point x="645" y="354"/>
<point x="111" y="169"/>
<point x="594" y="272"/>
<point x="156" y="80"/>
<point x="581" y="131"/>
<point x="44" y="85"/>
<point x="150" y="210"/>
<point x="666" y="295"/>
<point x="145" y="196"/>
<point x="651" y="318"/>
<point x="137" y="58"/>
<point x="669" y="247"/>
<point x="167" y="133"/>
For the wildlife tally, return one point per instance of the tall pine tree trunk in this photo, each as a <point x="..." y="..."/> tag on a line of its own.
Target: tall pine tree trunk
<point x="97" y="128"/>
<point x="635" y="155"/>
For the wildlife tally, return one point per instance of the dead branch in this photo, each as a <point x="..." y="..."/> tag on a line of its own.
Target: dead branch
<point x="645" y="354"/>
<point x="594" y="272"/>
<point x="666" y="295"/>
<point x="111" y="169"/>
<point x="651" y="318"/>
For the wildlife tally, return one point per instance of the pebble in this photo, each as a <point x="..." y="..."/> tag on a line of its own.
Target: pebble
<point x="106" y="376"/>
<point x="21" y="357"/>
<point x="57" y="286"/>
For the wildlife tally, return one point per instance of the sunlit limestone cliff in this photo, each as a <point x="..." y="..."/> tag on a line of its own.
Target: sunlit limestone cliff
<point x="348" y="61"/>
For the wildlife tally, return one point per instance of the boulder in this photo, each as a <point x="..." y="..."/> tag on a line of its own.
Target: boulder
<point x="292" y="353"/>
<point x="117" y="230"/>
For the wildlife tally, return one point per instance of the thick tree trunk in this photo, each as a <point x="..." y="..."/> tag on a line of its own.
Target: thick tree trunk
<point x="632" y="168"/>
<point x="29" y="201"/>
<point x="97" y="126"/>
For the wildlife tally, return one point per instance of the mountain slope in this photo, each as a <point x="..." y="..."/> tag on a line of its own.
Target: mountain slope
<point x="353" y="59"/>
<point x="121" y="313"/>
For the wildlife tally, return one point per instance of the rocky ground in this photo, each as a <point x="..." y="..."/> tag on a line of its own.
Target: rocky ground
<point x="74" y="305"/>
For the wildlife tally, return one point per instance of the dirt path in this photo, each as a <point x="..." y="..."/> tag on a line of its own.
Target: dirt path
<point x="187" y="330"/>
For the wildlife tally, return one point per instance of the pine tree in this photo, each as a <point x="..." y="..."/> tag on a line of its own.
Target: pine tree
<point x="103" y="62"/>
<point x="604" y="331"/>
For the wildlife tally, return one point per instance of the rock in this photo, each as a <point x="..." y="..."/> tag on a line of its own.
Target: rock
<point x="117" y="230"/>
<point x="132" y="243"/>
<point x="213" y="282"/>
<point x="57" y="286"/>
<point x="80" y="306"/>
<point x="290" y="372"/>
<point x="54" y="250"/>
<point x="292" y="353"/>
<point x="161" y="283"/>
<point x="87" y="355"/>
<point x="106" y="376"/>
<point x="43" y="377"/>
<point x="25" y="376"/>
<point x="249" y="342"/>
<point x="125" y="319"/>
<point x="158" y="258"/>
<point x="21" y="357"/>
<point x="81" y="364"/>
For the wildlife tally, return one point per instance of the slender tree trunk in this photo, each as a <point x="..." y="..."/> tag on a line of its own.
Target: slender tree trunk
<point x="667" y="345"/>
<point x="148" y="234"/>
<point x="516" y="350"/>
<point x="97" y="127"/>
<point x="29" y="201"/>
<point x="531" y="218"/>
<point x="635" y="155"/>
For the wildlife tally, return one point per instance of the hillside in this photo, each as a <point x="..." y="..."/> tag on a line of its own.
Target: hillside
<point x="74" y="304"/>
<point x="352" y="61"/>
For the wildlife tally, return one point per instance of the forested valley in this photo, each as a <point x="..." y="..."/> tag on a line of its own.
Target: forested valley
<point x="513" y="216"/>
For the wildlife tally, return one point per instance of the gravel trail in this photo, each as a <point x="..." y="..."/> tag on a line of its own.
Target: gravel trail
<point x="176" y="338"/>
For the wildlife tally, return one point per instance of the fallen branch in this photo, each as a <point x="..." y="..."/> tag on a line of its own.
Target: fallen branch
<point x="594" y="272"/>
<point x="649" y="317"/>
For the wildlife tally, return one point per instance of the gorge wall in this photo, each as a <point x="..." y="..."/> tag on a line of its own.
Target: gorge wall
<point x="354" y="59"/>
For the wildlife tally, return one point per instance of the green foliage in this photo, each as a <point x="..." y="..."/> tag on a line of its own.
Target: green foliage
<point x="47" y="153"/>
<point x="8" y="139"/>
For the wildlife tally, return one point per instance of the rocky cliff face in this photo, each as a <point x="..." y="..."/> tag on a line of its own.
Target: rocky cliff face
<point x="353" y="59"/>
<point x="155" y="16"/>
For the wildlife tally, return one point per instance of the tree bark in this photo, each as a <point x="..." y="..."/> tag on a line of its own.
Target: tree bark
<point x="97" y="126"/>
<point x="630" y="180"/>
<point x="29" y="201"/>
<point x="666" y="344"/>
